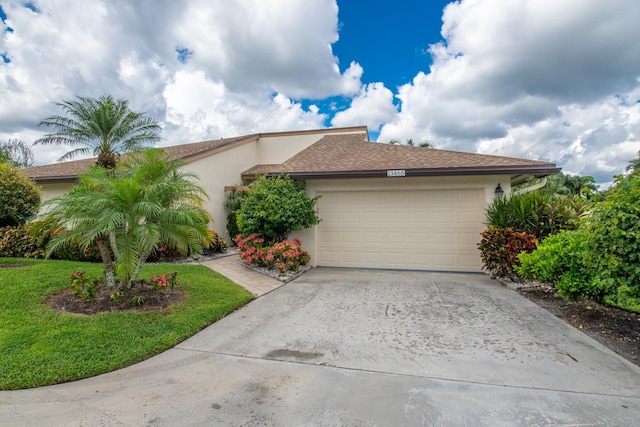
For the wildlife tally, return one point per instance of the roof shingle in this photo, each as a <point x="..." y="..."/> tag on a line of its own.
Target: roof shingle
<point x="342" y="155"/>
<point x="70" y="170"/>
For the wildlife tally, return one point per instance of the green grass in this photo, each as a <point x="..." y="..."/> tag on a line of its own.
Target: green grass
<point x="40" y="347"/>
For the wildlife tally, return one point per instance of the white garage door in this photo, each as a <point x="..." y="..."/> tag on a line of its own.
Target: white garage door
<point x="415" y="230"/>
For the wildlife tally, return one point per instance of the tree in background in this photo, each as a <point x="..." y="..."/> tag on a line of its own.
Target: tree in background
<point x="570" y="185"/>
<point x="102" y="127"/>
<point x="19" y="197"/>
<point x="633" y="167"/>
<point x="411" y="143"/>
<point x="129" y="211"/>
<point x="16" y="153"/>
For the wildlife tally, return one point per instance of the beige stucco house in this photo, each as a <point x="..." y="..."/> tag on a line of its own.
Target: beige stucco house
<point x="381" y="206"/>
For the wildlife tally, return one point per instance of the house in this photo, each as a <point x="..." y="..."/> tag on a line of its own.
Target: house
<point x="381" y="206"/>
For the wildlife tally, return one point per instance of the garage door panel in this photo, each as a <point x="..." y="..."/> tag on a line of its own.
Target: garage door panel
<point x="347" y="218"/>
<point x="349" y="237"/>
<point x="327" y="237"/>
<point x="372" y="237"/>
<point x="444" y="238"/>
<point x="349" y="257"/>
<point x="442" y="217"/>
<point x="445" y="260"/>
<point x="468" y="239"/>
<point x="427" y="230"/>
<point x="420" y="238"/>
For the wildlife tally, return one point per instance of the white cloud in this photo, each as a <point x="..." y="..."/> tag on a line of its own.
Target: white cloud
<point x="540" y="79"/>
<point x="547" y="79"/>
<point x="199" y="109"/>
<point x="258" y="54"/>
<point x="372" y="107"/>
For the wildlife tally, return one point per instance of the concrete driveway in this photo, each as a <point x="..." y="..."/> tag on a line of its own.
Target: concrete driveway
<point x="361" y="348"/>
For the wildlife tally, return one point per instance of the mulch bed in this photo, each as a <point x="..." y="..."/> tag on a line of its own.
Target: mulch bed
<point x="66" y="302"/>
<point x="612" y="327"/>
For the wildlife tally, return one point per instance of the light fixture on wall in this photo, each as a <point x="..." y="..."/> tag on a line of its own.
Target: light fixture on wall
<point x="499" y="191"/>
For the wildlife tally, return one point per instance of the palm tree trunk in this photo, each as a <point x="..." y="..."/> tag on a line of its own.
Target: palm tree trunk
<point x="105" y="254"/>
<point x="141" y="261"/>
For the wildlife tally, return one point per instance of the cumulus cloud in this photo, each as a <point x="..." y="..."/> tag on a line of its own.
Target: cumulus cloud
<point x="372" y="107"/>
<point x="259" y="55"/>
<point x="543" y="79"/>
<point x="199" y="108"/>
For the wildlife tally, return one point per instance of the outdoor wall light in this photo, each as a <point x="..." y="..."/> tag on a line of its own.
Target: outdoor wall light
<point x="499" y="191"/>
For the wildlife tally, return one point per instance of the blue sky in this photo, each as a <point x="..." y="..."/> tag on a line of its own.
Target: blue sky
<point x="388" y="38"/>
<point x="541" y="79"/>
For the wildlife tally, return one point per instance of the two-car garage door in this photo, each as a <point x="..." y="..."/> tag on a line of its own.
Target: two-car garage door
<point x="416" y="230"/>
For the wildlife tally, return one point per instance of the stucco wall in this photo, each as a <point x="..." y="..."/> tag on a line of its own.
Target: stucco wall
<point x="278" y="148"/>
<point x="224" y="168"/>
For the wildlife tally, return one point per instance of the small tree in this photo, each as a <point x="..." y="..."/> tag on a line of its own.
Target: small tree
<point x="274" y="207"/>
<point x="19" y="197"/>
<point x="146" y="201"/>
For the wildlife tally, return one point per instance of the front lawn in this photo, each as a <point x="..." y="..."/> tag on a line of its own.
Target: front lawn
<point x="40" y="347"/>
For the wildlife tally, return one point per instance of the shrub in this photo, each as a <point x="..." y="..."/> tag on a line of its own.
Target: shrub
<point x="499" y="249"/>
<point x="17" y="242"/>
<point x="563" y="260"/>
<point x="537" y="213"/>
<point x="232" y="204"/>
<point x="216" y="246"/>
<point x="74" y="251"/>
<point x="166" y="253"/>
<point x="284" y="256"/>
<point x="30" y="241"/>
<point x="601" y="259"/>
<point x="274" y="207"/>
<point x="19" y="197"/>
<point x="613" y="228"/>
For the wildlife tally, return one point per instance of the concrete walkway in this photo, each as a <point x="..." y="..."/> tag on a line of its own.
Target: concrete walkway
<point x="256" y="283"/>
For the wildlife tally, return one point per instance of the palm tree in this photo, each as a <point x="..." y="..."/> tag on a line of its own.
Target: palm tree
<point x="128" y="213"/>
<point x="16" y="153"/>
<point x="411" y="143"/>
<point x="103" y="127"/>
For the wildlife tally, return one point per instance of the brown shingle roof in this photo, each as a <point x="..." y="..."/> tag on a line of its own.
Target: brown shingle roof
<point x="351" y="155"/>
<point x="70" y="170"/>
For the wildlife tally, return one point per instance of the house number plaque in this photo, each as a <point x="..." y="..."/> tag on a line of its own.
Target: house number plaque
<point x="396" y="172"/>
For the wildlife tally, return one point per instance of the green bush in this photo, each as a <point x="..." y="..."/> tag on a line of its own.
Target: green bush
<point x="232" y="205"/>
<point x="19" y="197"/>
<point x="17" y="242"/>
<point x="536" y="212"/>
<point x="500" y="247"/>
<point x="274" y="207"/>
<point x="564" y="261"/>
<point x="27" y="241"/>
<point x="601" y="259"/>
<point x="613" y="228"/>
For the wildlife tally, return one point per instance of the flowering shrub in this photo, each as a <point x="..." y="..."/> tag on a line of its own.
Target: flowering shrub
<point x="284" y="256"/>
<point x="500" y="247"/>
<point x="162" y="282"/>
